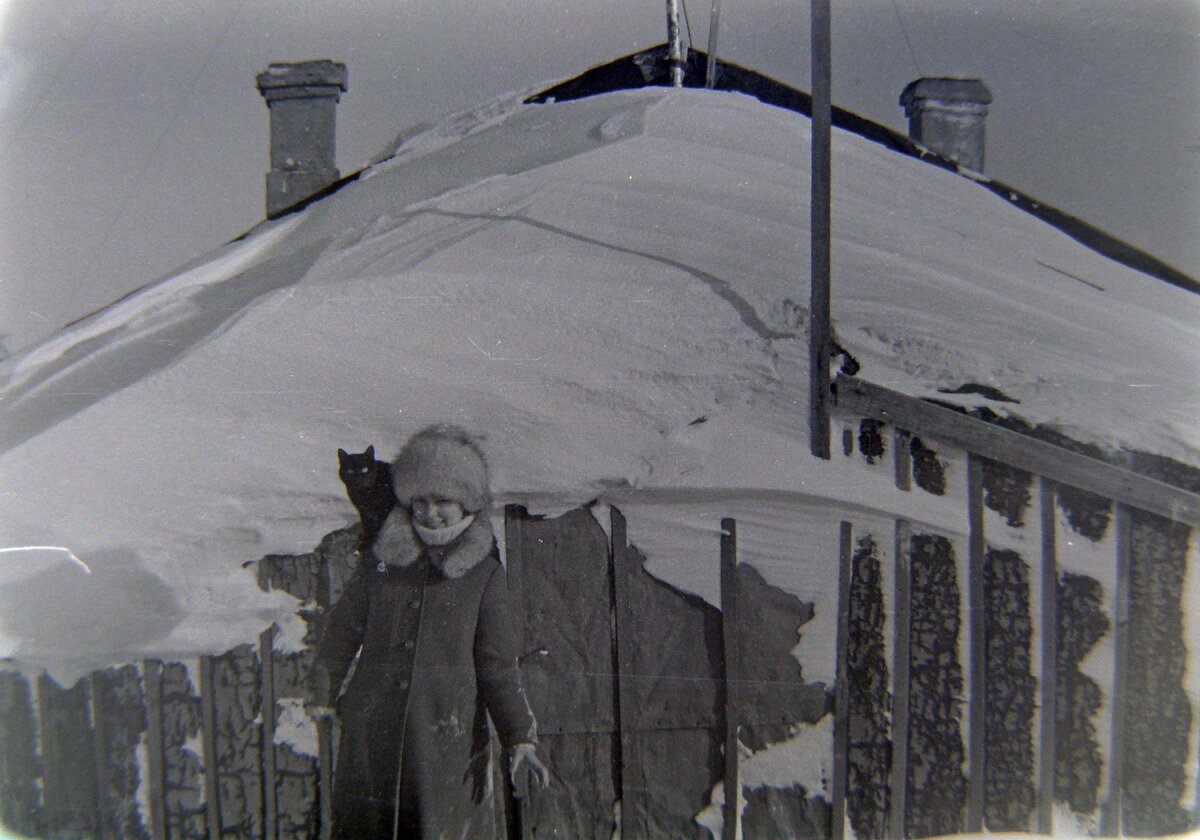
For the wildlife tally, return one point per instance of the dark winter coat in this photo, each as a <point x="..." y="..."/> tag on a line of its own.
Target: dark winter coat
<point x="440" y="641"/>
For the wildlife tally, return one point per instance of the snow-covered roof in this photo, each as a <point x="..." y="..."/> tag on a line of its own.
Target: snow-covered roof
<point x="581" y="282"/>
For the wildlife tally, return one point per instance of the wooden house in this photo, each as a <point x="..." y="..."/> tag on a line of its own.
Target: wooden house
<point x="977" y="615"/>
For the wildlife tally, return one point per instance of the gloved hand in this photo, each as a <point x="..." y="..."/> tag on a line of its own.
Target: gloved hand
<point x="525" y="755"/>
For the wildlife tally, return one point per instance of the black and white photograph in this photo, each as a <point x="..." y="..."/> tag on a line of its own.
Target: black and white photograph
<point x="599" y="419"/>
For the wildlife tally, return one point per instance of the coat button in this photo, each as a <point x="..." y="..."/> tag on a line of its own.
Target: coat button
<point x="409" y="645"/>
<point x="403" y="685"/>
<point x="414" y="603"/>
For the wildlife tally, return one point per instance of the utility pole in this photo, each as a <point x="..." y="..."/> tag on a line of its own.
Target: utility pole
<point x="820" y="333"/>
<point x="714" y="26"/>
<point x="675" y="42"/>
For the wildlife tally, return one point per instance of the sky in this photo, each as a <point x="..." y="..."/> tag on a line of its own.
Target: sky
<point x="134" y="139"/>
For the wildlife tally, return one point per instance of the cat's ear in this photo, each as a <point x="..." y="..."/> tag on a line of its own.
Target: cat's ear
<point x="342" y="455"/>
<point x="370" y="453"/>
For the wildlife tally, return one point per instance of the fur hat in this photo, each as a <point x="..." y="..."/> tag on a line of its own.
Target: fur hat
<point x="442" y="461"/>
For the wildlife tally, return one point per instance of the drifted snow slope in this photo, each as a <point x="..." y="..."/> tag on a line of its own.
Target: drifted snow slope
<point x="579" y="282"/>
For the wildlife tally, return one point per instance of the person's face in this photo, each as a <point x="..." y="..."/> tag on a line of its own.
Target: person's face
<point x="436" y="512"/>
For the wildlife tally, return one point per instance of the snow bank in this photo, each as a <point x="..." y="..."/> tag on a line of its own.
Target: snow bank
<point x="607" y="289"/>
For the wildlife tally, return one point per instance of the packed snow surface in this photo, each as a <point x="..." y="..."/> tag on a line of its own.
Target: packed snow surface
<point x="612" y="290"/>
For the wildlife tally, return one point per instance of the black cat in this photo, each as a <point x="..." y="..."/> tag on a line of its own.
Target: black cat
<point x="369" y="486"/>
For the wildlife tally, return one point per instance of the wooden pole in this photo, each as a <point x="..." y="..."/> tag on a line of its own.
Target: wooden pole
<point x="841" y="720"/>
<point x="675" y="43"/>
<point x="516" y="808"/>
<point x="100" y="747"/>
<point x="901" y="674"/>
<point x="976" y="610"/>
<point x="1111" y="821"/>
<point x="1049" y="683"/>
<point x="729" y="624"/>
<point x="714" y="26"/>
<point x="266" y="656"/>
<point x="152" y="674"/>
<point x="325" y="775"/>
<point x="208" y="718"/>
<point x="633" y="781"/>
<point x="820" y="332"/>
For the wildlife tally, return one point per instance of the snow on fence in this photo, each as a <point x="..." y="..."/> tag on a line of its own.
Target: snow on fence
<point x="181" y="749"/>
<point x="1070" y="670"/>
<point x="1008" y="681"/>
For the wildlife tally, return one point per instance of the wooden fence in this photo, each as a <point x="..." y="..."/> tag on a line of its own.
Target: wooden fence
<point x="204" y="748"/>
<point x="207" y="748"/>
<point x="1034" y="744"/>
<point x="217" y="746"/>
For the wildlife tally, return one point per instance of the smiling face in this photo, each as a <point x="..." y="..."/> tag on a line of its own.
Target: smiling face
<point x="435" y="512"/>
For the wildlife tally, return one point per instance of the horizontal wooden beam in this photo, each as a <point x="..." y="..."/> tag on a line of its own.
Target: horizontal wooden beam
<point x="1018" y="450"/>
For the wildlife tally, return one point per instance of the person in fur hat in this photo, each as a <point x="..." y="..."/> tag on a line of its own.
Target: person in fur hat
<point x="439" y="638"/>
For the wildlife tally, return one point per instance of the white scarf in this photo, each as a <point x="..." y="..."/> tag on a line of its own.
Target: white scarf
<point x="443" y="536"/>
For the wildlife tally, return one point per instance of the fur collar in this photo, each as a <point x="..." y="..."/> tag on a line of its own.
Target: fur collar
<point x="398" y="546"/>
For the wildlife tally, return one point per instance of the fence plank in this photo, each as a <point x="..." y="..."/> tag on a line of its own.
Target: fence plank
<point x="68" y="756"/>
<point x="325" y="775"/>
<point x="155" y="748"/>
<point x="729" y="623"/>
<point x="238" y="705"/>
<point x="898" y="802"/>
<point x="183" y="769"/>
<point x="100" y="770"/>
<point x="976" y="610"/>
<point x="517" y="812"/>
<point x="1018" y="450"/>
<point x="266" y="656"/>
<point x="1110" y="821"/>
<point x="208" y="712"/>
<point x="20" y="770"/>
<point x="632" y="773"/>
<point x="118" y="723"/>
<point x="841" y="732"/>
<point x="1049" y="675"/>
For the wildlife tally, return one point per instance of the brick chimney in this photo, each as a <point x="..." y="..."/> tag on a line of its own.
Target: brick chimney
<point x="303" y="100"/>
<point x="947" y="116"/>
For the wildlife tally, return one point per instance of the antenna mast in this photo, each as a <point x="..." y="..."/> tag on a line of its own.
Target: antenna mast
<point x="675" y="43"/>
<point x="714" y="26"/>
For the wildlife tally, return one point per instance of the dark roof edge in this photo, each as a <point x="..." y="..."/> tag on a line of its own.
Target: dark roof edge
<point x="651" y="68"/>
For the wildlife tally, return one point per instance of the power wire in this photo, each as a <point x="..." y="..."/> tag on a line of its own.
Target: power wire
<point x="687" y="22"/>
<point x="136" y="183"/>
<point x="76" y="48"/>
<point x="904" y="31"/>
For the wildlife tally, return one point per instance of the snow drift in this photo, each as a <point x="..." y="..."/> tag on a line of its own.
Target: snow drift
<point x="612" y="290"/>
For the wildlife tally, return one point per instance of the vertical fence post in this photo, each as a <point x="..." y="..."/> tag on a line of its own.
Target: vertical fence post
<point x="266" y="658"/>
<point x="155" y="747"/>
<point x="729" y="634"/>
<point x="1049" y="681"/>
<point x="632" y="772"/>
<point x="977" y="708"/>
<point x="1111" y="821"/>
<point x="208" y="713"/>
<point x="325" y="772"/>
<point x="100" y="747"/>
<point x="902" y="660"/>
<point x="516" y="821"/>
<point x="841" y="731"/>
<point x="68" y="759"/>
